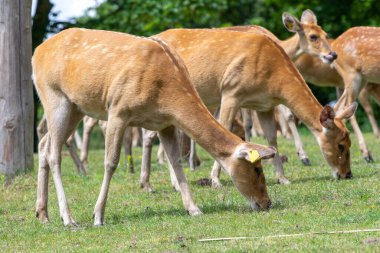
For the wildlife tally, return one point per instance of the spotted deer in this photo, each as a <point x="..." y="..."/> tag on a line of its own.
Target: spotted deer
<point x="130" y="81"/>
<point x="355" y="69"/>
<point x="234" y="69"/>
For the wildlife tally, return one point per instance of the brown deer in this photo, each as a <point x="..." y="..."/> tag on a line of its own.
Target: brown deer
<point x="130" y="81"/>
<point x="325" y="75"/>
<point x="234" y="69"/>
<point x="309" y="39"/>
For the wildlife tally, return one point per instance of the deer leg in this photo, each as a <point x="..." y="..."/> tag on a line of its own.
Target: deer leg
<point x="161" y="159"/>
<point x="362" y="143"/>
<point x="114" y="138"/>
<point x="70" y="144"/>
<point x="193" y="155"/>
<point x="281" y="115"/>
<point x="297" y="139"/>
<point x="247" y="120"/>
<point x="148" y="139"/>
<point x="88" y="125"/>
<point x="62" y="120"/>
<point x="78" y="139"/>
<point x="228" y="110"/>
<point x="169" y="139"/>
<point x="43" y="176"/>
<point x="269" y="127"/>
<point x="128" y="149"/>
<point x="256" y="124"/>
<point x="364" y="101"/>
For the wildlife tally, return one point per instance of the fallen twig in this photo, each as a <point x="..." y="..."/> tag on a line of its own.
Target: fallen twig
<point x="290" y="235"/>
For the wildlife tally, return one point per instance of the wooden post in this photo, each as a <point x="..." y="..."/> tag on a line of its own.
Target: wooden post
<point x="16" y="90"/>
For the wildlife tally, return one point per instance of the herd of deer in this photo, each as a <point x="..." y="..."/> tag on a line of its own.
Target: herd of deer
<point x="172" y="79"/>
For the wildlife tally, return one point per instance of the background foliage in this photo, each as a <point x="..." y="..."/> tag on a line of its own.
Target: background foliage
<point x="149" y="17"/>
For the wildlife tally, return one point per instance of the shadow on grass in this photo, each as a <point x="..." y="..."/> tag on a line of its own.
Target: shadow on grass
<point x="207" y="209"/>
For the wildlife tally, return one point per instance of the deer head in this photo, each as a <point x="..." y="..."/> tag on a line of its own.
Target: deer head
<point x="312" y="38"/>
<point x="335" y="140"/>
<point x="247" y="173"/>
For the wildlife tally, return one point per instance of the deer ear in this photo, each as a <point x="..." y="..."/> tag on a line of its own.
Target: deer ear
<point x="291" y="23"/>
<point x="327" y="117"/>
<point x="347" y="112"/>
<point x="253" y="152"/>
<point x="308" y="17"/>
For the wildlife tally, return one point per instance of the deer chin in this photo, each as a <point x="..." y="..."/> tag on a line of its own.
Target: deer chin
<point x="255" y="206"/>
<point x="336" y="174"/>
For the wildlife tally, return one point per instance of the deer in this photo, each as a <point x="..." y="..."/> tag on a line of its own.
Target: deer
<point x="352" y="72"/>
<point x="130" y="81"/>
<point x="234" y="70"/>
<point x="309" y="38"/>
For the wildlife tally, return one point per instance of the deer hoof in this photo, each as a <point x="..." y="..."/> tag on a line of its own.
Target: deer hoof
<point x="283" y="180"/>
<point x="369" y="159"/>
<point x="306" y="161"/>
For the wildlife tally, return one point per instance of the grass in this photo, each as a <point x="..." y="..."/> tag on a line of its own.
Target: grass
<point x="138" y="221"/>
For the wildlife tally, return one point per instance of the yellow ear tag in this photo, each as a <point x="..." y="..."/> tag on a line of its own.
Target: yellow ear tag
<point x="290" y="25"/>
<point x="253" y="155"/>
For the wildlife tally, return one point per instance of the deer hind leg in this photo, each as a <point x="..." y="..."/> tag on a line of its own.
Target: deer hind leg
<point x="128" y="149"/>
<point x="62" y="118"/>
<point x="161" y="157"/>
<point x="297" y="139"/>
<point x="281" y="116"/>
<point x="228" y="110"/>
<point x="269" y="127"/>
<point x="114" y="138"/>
<point x="148" y="139"/>
<point x="364" y="101"/>
<point x="88" y="125"/>
<point x="362" y="143"/>
<point x="247" y="121"/>
<point x="169" y="139"/>
<point x="70" y="144"/>
<point x="43" y="176"/>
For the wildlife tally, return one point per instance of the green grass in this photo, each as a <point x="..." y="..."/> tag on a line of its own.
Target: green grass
<point x="138" y="221"/>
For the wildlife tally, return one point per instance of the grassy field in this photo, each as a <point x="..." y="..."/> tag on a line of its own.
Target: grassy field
<point x="139" y="221"/>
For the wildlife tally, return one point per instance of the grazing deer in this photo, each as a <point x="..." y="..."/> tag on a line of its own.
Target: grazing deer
<point x="309" y="39"/>
<point x="325" y="75"/>
<point x="130" y="81"/>
<point x="234" y="69"/>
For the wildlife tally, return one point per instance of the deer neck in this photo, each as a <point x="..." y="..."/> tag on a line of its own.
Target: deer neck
<point x="292" y="47"/>
<point x="198" y="123"/>
<point x="301" y="101"/>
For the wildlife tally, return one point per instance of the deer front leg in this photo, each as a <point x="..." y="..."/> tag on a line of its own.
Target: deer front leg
<point x="148" y="139"/>
<point x="114" y="138"/>
<point x="297" y="139"/>
<point x="169" y="140"/>
<point x="268" y="125"/>
<point x="364" y="101"/>
<point x="228" y="110"/>
<point x="88" y="125"/>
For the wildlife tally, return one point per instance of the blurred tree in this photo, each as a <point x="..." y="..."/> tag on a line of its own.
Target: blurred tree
<point x="16" y="92"/>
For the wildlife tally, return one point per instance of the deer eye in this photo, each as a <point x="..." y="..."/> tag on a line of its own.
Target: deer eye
<point x="313" y="37"/>
<point x="341" y="148"/>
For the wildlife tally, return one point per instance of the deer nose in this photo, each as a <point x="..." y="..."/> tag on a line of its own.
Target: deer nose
<point x="349" y="175"/>
<point x="334" y="55"/>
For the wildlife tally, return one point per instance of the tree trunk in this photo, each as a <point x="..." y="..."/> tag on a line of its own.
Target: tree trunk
<point x="16" y="91"/>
